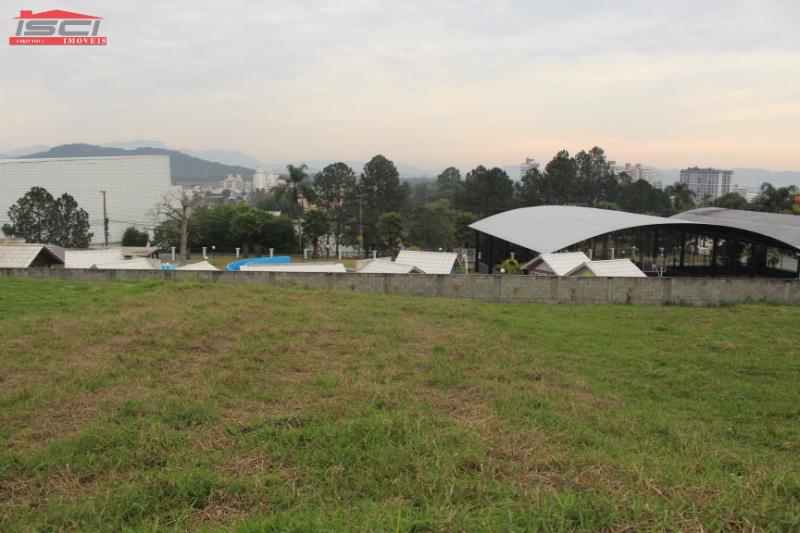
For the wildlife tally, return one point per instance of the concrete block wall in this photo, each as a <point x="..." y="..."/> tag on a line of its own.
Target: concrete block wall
<point x="640" y="291"/>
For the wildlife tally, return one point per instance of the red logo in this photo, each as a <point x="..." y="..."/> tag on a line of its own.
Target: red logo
<point x="57" y="27"/>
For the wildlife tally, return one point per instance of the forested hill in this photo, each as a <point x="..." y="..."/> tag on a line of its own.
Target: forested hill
<point x="185" y="169"/>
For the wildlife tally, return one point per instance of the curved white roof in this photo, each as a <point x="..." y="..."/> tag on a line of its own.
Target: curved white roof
<point x="784" y="228"/>
<point x="549" y="228"/>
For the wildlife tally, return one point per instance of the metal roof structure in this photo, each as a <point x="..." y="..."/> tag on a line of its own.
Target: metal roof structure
<point x="555" y="264"/>
<point x="296" y="267"/>
<point x="141" y="263"/>
<point x="783" y="228"/>
<point x="89" y="258"/>
<point x="383" y="266"/>
<point x="550" y="228"/>
<point x="610" y="268"/>
<point x="428" y="262"/>
<point x="202" y="265"/>
<point x="139" y="251"/>
<point x="27" y="255"/>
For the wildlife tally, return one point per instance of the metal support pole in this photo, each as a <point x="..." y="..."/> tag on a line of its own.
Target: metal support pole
<point x="105" y="219"/>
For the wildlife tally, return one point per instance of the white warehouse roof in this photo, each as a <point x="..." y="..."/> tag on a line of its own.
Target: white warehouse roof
<point x="89" y="258"/>
<point x="300" y="267"/>
<point x="557" y="264"/>
<point x="428" y="262"/>
<point x="134" y="184"/>
<point x="611" y="268"/>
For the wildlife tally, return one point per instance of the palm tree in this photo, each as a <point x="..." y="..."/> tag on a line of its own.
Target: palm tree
<point x="299" y="186"/>
<point x="776" y="200"/>
<point x="681" y="195"/>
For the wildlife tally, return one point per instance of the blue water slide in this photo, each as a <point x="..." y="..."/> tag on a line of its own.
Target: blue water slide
<point x="277" y="260"/>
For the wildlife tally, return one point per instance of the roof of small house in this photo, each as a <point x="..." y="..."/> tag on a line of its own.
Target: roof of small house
<point x="202" y="265"/>
<point x="428" y="262"/>
<point x="296" y="267"/>
<point x="142" y="263"/>
<point x="383" y="266"/>
<point x="89" y="258"/>
<point x="611" y="268"/>
<point x="23" y="255"/>
<point x="560" y="264"/>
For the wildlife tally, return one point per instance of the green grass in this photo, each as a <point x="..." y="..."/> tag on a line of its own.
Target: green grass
<point x="166" y="405"/>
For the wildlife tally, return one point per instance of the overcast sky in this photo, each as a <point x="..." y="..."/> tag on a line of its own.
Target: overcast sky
<point x="431" y="83"/>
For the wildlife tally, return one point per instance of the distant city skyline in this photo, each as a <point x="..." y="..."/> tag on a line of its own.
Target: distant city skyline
<point x="428" y="83"/>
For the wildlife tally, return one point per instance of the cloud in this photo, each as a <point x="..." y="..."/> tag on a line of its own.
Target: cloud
<point x="435" y="83"/>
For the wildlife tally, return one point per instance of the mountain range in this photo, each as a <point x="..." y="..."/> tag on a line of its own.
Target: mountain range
<point x="210" y="166"/>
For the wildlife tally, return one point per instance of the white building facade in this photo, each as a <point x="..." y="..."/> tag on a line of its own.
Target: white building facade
<point x="707" y="183"/>
<point x="133" y="185"/>
<point x="265" y="181"/>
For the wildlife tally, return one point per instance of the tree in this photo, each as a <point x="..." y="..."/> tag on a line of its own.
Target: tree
<point x="432" y="226"/>
<point x="278" y="233"/>
<point x="448" y="184"/>
<point x="486" y="191"/>
<point x="392" y="231"/>
<point x="732" y="200"/>
<point x="177" y="206"/>
<point x="335" y="188"/>
<point x="776" y="199"/>
<point x="299" y="187"/>
<point x="167" y="234"/>
<point x="381" y="192"/>
<point x="681" y="195"/>
<point x="641" y="197"/>
<point x="31" y="216"/>
<point x="464" y="235"/>
<point x="315" y="225"/>
<point x="246" y="227"/>
<point x="38" y="217"/>
<point x="134" y="237"/>
<point x="70" y="224"/>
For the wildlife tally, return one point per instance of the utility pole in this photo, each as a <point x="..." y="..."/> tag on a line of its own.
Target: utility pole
<point x="105" y="218"/>
<point x="361" y="221"/>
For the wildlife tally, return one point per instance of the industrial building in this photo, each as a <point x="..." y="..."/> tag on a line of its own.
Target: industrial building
<point x="702" y="242"/>
<point x="133" y="186"/>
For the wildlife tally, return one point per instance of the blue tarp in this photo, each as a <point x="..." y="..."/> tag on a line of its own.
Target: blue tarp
<point x="277" y="260"/>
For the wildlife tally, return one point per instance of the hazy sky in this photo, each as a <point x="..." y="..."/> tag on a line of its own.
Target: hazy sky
<point x="431" y="83"/>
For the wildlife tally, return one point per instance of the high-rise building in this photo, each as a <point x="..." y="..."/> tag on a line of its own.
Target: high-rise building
<point x="265" y="180"/>
<point x="233" y="183"/>
<point x="530" y="163"/>
<point x="707" y="184"/>
<point x="639" y="172"/>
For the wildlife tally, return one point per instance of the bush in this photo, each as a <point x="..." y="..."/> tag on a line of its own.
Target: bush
<point x="511" y="266"/>
<point x="134" y="237"/>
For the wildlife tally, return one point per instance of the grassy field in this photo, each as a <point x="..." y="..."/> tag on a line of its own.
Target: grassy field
<point x="165" y="405"/>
